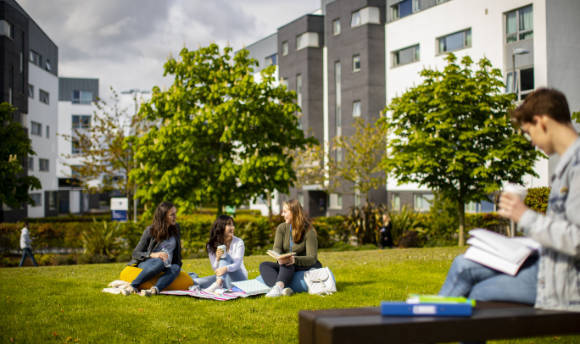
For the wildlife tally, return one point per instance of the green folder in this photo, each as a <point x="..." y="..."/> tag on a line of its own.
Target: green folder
<point x="421" y="298"/>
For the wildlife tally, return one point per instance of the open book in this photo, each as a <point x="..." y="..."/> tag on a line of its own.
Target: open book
<point x="499" y="252"/>
<point x="277" y="255"/>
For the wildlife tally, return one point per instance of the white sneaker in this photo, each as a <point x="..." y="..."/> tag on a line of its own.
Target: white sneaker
<point x="275" y="291"/>
<point x="287" y="291"/>
<point x="212" y="287"/>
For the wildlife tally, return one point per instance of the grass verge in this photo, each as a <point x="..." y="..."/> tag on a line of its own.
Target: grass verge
<point x="64" y="304"/>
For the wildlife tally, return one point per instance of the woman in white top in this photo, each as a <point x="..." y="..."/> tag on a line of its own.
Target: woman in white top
<point x="228" y="264"/>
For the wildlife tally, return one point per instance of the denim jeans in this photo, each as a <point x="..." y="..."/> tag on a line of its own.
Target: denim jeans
<point x="27" y="252"/>
<point x="470" y="279"/>
<point x="151" y="268"/>
<point x="228" y="277"/>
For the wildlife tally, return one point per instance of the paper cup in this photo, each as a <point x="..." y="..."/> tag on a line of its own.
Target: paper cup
<point x="516" y="189"/>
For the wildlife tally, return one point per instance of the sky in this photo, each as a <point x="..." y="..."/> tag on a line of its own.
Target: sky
<point x="124" y="43"/>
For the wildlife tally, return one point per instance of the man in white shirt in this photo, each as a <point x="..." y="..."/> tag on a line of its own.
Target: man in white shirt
<point x="25" y="242"/>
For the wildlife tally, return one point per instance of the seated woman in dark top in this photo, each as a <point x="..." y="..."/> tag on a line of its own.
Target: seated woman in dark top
<point x="159" y="250"/>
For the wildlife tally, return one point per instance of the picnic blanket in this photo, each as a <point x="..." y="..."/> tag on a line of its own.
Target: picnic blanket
<point x="117" y="287"/>
<point x="201" y="294"/>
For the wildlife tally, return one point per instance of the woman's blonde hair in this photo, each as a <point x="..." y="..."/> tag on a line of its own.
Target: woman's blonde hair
<point x="300" y="222"/>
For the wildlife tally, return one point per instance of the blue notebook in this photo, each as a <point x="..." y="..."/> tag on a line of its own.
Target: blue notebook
<point x="426" y="309"/>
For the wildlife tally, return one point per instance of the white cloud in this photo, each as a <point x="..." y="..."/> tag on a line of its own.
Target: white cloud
<point x="125" y="43"/>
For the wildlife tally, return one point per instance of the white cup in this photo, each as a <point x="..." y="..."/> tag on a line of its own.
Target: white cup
<point x="222" y="247"/>
<point x="516" y="189"/>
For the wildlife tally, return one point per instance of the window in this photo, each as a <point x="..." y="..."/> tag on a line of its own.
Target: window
<point x="47" y="65"/>
<point x="356" y="63"/>
<point x="35" y="58"/>
<point x="402" y="9"/>
<point x="30" y="91"/>
<point x="35" y="128"/>
<point x="43" y="165"/>
<point x="299" y="89"/>
<point x="75" y="148"/>
<point x="422" y="202"/>
<point x="271" y="60"/>
<point x="81" y="121"/>
<point x="336" y="27"/>
<point x="37" y="199"/>
<point x="356" y="108"/>
<point x="521" y="82"/>
<point x="43" y="96"/>
<point x="455" y="41"/>
<point x="335" y="201"/>
<point x="355" y="19"/>
<point x="47" y="131"/>
<point x="284" y="48"/>
<point x="337" y="96"/>
<point x="31" y="163"/>
<point x="82" y="97"/>
<point x="6" y="29"/>
<point x="307" y="39"/>
<point x="519" y="24"/>
<point x="406" y="55"/>
<point x="52" y="200"/>
<point x="396" y="202"/>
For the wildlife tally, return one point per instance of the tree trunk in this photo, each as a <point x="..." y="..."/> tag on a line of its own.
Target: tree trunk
<point x="1" y="213"/>
<point x="461" y="213"/>
<point x="220" y="207"/>
<point x="269" y="199"/>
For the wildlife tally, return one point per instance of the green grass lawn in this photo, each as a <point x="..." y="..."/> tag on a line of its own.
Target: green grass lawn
<point x="64" y="304"/>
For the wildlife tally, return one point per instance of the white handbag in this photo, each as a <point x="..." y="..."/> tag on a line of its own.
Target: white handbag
<point x="320" y="281"/>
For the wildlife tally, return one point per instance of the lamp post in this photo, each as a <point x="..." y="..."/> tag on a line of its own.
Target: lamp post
<point x="516" y="51"/>
<point x="135" y="92"/>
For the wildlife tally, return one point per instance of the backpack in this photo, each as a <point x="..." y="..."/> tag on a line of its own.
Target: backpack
<point x="320" y="281"/>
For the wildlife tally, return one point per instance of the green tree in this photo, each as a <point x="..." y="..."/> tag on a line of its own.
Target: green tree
<point x="14" y="151"/>
<point x="453" y="134"/>
<point x="222" y="136"/>
<point x="356" y="159"/>
<point x="106" y="148"/>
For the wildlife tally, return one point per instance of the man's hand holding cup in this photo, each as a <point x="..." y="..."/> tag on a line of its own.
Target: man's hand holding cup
<point x="511" y="202"/>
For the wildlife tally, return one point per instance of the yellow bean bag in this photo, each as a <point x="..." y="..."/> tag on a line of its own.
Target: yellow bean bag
<point x="182" y="282"/>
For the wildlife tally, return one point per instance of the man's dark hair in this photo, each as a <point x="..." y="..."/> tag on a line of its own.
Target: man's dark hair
<point x="543" y="101"/>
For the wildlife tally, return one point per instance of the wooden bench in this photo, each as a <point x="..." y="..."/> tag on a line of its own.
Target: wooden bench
<point x="490" y="320"/>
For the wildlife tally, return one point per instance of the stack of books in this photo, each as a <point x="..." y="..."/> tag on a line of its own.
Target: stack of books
<point x="429" y="305"/>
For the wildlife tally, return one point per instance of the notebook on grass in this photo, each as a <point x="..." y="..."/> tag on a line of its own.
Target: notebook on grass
<point x="252" y="287"/>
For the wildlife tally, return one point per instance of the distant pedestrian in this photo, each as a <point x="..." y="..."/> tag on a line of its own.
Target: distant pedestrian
<point x="25" y="245"/>
<point x="386" y="238"/>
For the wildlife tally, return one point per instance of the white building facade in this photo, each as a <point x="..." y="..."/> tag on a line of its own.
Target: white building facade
<point x="76" y="109"/>
<point x="42" y="121"/>
<point x="530" y="37"/>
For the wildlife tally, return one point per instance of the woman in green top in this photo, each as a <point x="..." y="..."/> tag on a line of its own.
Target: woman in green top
<point x="296" y="235"/>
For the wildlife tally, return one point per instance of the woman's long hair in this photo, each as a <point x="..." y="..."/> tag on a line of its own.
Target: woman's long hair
<point x="216" y="236"/>
<point x="300" y="222"/>
<point x="161" y="229"/>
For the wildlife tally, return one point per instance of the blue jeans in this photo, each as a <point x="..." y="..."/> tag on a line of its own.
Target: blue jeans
<point x="27" y="252"/>
<point x="228" y="277"/>
<point x="151" y="268"/>
<point x="470" y="279"/>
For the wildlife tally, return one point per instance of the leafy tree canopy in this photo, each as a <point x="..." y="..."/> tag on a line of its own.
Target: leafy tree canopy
<point x="14" y="151"/>
<point x="222" y="136"/>
<point x="452" y="133"/>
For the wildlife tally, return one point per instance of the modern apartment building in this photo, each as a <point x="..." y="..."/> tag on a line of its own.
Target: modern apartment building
<point x="29" y="81"/>
<point x="352" y="57"/>
<point x="526" y="39"/>
<point x="76" y="109"/>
